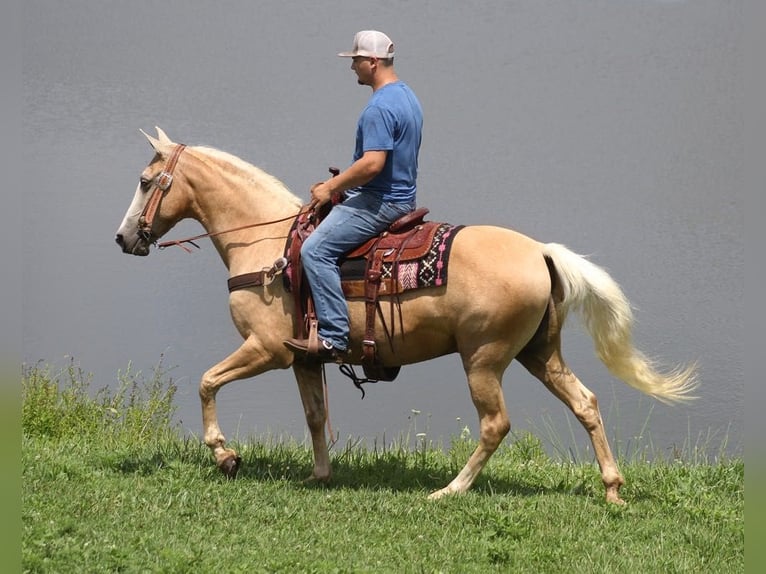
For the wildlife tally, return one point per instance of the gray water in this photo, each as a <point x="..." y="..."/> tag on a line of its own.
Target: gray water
<point x="611" y="126"/>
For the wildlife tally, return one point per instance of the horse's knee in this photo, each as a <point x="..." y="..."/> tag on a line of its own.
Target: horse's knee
<point x="207" y="387"/>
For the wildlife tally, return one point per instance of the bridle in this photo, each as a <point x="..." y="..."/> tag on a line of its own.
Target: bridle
<point x="160" y="185"/>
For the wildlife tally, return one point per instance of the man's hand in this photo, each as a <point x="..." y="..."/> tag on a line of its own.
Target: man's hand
<point x="360" y="172"/>
<point x="321" y="193"/>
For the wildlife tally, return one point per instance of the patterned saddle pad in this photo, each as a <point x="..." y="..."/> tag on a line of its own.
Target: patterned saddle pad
<point x="405" y="269"/>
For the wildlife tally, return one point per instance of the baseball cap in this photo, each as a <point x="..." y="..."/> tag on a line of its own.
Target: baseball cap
<point x="371" y="44"/>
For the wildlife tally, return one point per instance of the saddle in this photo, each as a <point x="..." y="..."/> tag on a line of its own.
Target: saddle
<point x="362" y="276"/>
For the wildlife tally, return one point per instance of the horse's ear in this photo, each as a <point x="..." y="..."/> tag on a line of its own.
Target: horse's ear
<point x="163" y="136"/>
<point x="158" y="145"/>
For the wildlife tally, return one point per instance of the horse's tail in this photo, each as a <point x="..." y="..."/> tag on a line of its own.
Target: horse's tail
<point x="607" y="314"/>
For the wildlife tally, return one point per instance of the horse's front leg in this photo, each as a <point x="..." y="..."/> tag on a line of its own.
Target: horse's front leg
<point x="249" y="360"/>
<point x="309" y="377"/>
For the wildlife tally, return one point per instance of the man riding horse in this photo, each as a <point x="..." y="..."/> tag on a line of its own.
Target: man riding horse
<point x="379" y="187"/>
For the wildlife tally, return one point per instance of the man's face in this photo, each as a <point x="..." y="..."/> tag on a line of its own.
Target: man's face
<point x="364" y="68"/>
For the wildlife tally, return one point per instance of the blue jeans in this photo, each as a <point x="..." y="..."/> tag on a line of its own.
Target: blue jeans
<point x="348" y="225"/>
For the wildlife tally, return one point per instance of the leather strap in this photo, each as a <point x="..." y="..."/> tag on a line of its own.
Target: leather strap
<point x="313" y="338"/>
<point x="255" y="279"/>
<point x="301" y="229"/>
<point x="372" y="286"/>
<point x="162" y="183"/>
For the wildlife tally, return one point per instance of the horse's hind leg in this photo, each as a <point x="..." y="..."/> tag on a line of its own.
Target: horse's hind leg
<point x="487" y="396"/>
<point x="546" y="363"/>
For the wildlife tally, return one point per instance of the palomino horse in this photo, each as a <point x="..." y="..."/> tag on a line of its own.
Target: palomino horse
<point x="515" y="311"/>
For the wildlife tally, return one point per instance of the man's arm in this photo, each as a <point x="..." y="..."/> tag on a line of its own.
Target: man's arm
<point x="358" y="173"/>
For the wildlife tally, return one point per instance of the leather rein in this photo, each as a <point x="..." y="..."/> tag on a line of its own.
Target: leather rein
<point x="162" y="184"/>
<point x="191" y="240"/>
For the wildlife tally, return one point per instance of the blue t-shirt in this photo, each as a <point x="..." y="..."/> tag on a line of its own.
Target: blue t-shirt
<point x="392" y="122"/>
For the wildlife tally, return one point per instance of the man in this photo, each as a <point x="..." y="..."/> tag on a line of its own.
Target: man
<point x="380" y="187"/>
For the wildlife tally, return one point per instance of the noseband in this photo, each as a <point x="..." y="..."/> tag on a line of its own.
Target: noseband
<point x="160" y="185"/>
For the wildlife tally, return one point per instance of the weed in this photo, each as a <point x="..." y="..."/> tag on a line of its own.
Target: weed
<point x="62" y="406"/>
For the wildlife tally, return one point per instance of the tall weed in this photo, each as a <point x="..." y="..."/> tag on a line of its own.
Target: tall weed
<point x="61" y="405"/>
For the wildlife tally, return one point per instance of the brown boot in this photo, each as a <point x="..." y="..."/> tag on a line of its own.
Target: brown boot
<point x="325" y="351"/>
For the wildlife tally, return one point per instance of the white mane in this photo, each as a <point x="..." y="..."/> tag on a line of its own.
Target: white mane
<point x="255" y="175"/>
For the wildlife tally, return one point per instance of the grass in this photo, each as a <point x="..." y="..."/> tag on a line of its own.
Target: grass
<point x="109" y="485"/>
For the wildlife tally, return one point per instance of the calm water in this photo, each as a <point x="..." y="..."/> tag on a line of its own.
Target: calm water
<point x="614" y="127"/>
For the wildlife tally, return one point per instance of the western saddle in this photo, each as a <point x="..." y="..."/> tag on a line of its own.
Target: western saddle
<point x="408" y="238"/>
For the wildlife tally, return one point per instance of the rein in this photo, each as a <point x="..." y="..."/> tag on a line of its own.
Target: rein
<point x="179" y="242"/>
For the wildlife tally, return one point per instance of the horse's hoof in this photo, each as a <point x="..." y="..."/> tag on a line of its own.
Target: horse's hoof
<point x="613" y="494"/>
<point x="615" y="499"/>
<point x="436" y="495"/>
<point x="314" y="479"/>
<point x="230" y="466"/>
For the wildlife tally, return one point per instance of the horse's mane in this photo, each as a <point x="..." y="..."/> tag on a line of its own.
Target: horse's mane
<point x="254" y="174"/>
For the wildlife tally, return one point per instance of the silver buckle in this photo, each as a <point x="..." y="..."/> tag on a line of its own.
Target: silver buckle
<point x="164" y="180"/>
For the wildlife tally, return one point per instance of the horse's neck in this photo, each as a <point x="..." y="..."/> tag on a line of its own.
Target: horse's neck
<point x="257" y="206"/>
<point x="252" y="249"/>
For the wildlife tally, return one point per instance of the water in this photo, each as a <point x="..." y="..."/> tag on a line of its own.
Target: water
<point x="613" y="127"/>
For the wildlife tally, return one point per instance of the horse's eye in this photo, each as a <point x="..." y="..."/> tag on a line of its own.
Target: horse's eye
<point x="145" y="183"/>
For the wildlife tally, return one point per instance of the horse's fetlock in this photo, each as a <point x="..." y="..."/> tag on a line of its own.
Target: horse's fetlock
<point x="215" y="442"/>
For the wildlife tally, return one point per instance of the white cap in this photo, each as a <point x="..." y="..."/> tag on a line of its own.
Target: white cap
<point x="371" y="44"/>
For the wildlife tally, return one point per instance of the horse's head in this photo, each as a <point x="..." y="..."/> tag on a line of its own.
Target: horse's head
<point x="154" y="209"/>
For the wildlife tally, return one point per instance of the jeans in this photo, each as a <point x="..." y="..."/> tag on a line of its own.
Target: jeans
<point x="348" y="225"/>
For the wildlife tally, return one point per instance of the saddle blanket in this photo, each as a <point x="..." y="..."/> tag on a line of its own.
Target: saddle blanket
<point x="430" y="270"/>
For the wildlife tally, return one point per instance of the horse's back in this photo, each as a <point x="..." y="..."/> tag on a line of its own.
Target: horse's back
<point x="500" y="256"/>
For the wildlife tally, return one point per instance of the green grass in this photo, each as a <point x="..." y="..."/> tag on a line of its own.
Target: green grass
<point x="109" y="485"/>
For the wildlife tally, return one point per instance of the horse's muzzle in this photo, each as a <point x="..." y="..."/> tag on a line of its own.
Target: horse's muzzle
<point x="137" y="247"/>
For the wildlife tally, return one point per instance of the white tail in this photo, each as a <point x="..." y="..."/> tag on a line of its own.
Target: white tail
<point x="608" y="317"/>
